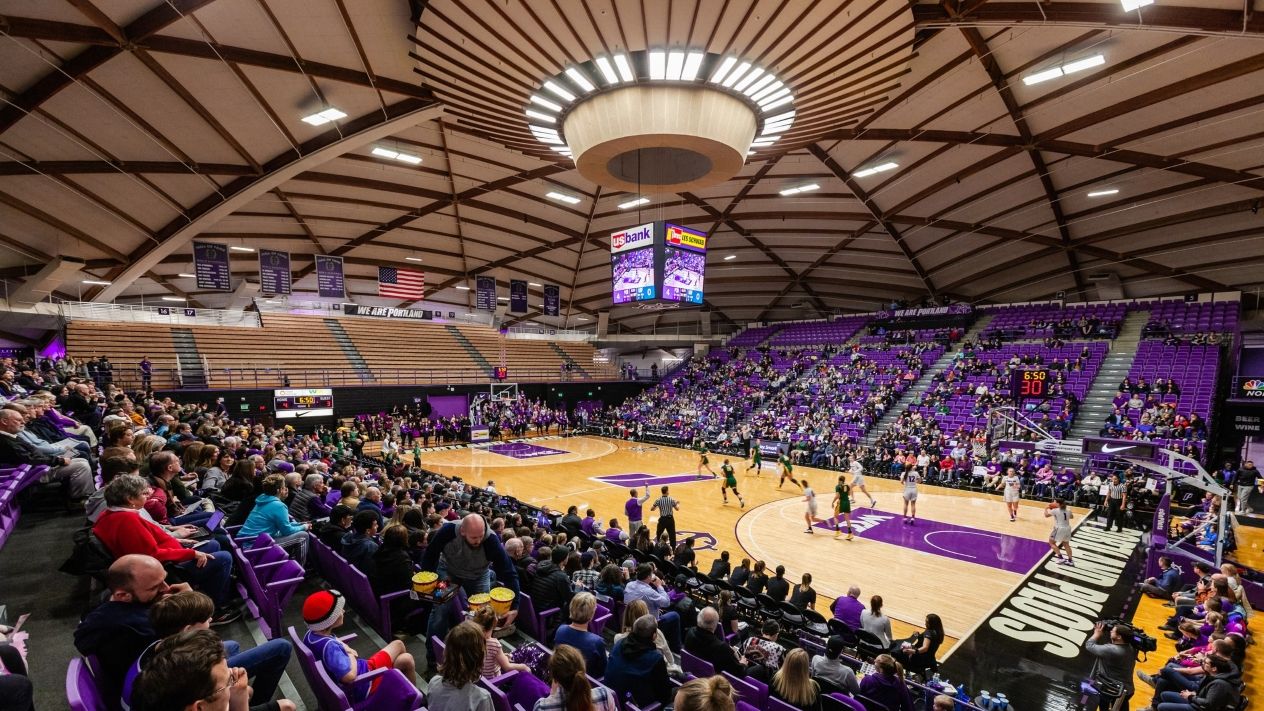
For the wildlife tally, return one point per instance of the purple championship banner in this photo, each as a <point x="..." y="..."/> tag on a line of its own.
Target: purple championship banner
<point x="995" y="550"/>
<point x="274" y="272"/>
<point x="210" y="264"/>
<point x="330" y="281"/>
<point x="552" y="300"/>
<point x="523" y="450"/>
<point x="485" y="294"/>
<point x="517" y="296"/>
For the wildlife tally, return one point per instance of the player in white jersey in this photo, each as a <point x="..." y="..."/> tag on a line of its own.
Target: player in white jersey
<point x="1013" y="487"/>
<point x="858" y="479"/>
<point x="809" y="498"/>
<point x="1060" y="538"/>
<point x="910" y="479"/>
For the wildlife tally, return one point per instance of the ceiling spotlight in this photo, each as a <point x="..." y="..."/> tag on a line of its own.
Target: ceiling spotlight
<point x="1130" y="5"/>
<point x="96" y="282"/>
<point x="559" y="92"/>
<point x="607" y="70"/>
<point x="562" y="197"/>
<point x="173" y="298"/>
<point x="633" y="203"/>
<point x="321" y="118"/>
<point x="801" y="189"/>
<point x="242" y="249"/>
<point x="625" y="68"/>
<point x="541" y="101"/>
<point x="730" y="258"/>
<point x="1104" y="192"/>
<point x="873" y="170"/>
<point x="580" y="79"/>
<point x="412" y="259"/>
<point x="186" y="275"/>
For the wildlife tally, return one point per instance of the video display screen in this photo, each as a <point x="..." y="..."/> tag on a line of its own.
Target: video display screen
<point x="632" y="273"/>
<point x="683" y="273"/>
<point x="303" y="402"/>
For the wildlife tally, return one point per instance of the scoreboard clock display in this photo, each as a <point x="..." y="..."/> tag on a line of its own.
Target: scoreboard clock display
<point x="1029" y="383"/>
<point x="303" y="402"/>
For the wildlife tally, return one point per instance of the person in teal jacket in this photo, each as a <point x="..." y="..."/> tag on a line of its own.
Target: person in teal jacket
<point x="271" y="516"/>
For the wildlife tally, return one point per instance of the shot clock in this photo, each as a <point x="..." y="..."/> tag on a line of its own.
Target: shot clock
<point x="1029" y="383"/>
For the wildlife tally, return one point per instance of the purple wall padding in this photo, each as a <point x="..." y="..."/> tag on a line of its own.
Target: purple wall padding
<point x="445" y="405"/>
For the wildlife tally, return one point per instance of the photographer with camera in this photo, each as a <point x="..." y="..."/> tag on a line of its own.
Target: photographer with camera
<point x="1116" y="659"/>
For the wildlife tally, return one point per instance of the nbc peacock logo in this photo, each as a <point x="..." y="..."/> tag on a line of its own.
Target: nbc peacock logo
<point x="1253" y="388"/>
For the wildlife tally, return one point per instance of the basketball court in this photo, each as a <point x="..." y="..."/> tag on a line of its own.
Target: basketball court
<point x="961" y="559"/>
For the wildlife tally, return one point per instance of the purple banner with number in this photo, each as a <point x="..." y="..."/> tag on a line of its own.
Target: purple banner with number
<point x="995" y="550"/>
<point x="330" y="281"/>
<point x="485" y="297"/>
<point x="274" y="272"/>
<point x="552" y="300"/>
<point x="523" y="450"/>
<point x="517" y="296"/>
<point x="210" y="265"/>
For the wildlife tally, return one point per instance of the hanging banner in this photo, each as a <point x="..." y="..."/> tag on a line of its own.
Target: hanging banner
<point x="274" y="272"/>
<point x="210" y="264"/>
<point x="330" y="281"/>
<point x="517" y="296"/>
<point x="552" y="300"/>
<point x="485" y="299"/>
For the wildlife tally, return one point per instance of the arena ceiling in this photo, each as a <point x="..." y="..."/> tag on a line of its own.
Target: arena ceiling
<point x="130" y="127"/>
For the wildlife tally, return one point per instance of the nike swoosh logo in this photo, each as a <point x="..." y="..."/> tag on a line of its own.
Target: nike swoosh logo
<point x="1107" y="449"/>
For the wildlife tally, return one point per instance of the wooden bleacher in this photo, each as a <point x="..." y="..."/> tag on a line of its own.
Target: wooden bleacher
<point x="125" y="344"/>
<point x="411" y="345"/>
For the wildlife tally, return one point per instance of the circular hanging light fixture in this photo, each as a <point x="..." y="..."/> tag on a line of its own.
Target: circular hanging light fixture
<point x="660" y="120"/>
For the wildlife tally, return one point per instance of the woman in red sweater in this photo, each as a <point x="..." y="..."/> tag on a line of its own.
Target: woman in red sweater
<point x="124" y="530"/>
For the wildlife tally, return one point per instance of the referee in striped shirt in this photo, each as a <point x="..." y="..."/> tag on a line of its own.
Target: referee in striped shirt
<point x="667" y="507"/>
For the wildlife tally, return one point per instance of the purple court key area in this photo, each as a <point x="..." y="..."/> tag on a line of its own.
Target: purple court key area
<point x="522" y="450"/>
<point x="639" y="479"/>
<point x="995" y="550"/>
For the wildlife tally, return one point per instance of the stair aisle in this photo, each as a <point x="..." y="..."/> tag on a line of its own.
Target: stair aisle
<point x="568" y="359"/>
<point x="192" y="370"/>
<point x="1099" y="401"/>
<point x="348" y="346"/>
<point x="474" y="353"/>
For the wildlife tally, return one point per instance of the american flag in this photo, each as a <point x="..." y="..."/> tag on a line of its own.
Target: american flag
<point x="400" y="283"/>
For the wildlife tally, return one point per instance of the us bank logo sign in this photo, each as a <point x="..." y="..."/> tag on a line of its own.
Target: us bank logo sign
<point x="1253" y="388"/>
<point x="632" y="238"/>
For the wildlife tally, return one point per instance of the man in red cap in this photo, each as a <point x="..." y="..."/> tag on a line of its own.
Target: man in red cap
<point x="323" y="613"/>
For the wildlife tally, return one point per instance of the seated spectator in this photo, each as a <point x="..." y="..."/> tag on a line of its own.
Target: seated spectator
<point x="706" y="643"/>
<point x="271" y="516"/>
<point x="495" y="661"/>
<point x="764" y="650"/>
<point x="392" y="571"/>
<point x="847" y="609"/>
<point x="372" y="502"/>
<point x="918" y="652"/>
<point x="804" y="596"/>
<point x="571" y="690"/>
<point x="684" y="555"/>
<point x="14" y="451"/>
<point x="189" y="672"/>
<point x="582" y="608"/>
<point x="455" y="687"/>
<point x="637" y="668"/>
<point x="552" y="587"/>
<point x="649" y="587"/>
<point x="323" y="613"/>
<point x="758" y="579"/>
<point x="631" y="613"/>
<point x="1166" y="584"/>
<point x="308" y="503"/>
<point x="886" y="684"/>
<point x="793" y="684"/>
<point x="1218" y="690"/>
<point x="741" y="574"/>
<point x="720" y="567"/>
<point x="217" y="475"/>
<point x="876" y="623"/>
<point x="828" y="668"/>
<point x="237" y="495"/>
<point x="358" y="546"/>
<point x="123" y="532"/>
<point x="336" y="528"/>
<point x="614" y="533"/>
<point x="778" y="588"/>
<point x="713" y="694"/>
<point x="610" y="583"/>
<point x="586" y="577"/>
<point x="16" y="690"/>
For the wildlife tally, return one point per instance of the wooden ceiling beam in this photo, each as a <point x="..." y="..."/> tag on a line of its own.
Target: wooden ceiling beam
<point x="1199" y="20"/>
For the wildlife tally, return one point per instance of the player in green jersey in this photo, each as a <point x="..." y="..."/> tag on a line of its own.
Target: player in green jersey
<point x="730" y="482"/>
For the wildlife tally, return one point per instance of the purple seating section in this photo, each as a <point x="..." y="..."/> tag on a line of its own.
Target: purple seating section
<point x="927" y="335"/>
<point x="1190" y="318"/>
<point x="351" y="582"/>
<point x="268" y="579"/>
<point x="12" y="483"/>
<point x="814" y="333"/>
<point x="1193" y="368"/>
<point x="754" y="336"/>
<point x="1017" y="319"/>
<point x="961" y="406"/>
<point x="81" y="689"/>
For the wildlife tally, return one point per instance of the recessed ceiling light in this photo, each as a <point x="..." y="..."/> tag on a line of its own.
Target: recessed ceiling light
<point x="872" y="170"/>
<point x="607" y="70"/>
<point x="558" y="91"/>
<point x="562" y="197"/>
<point x="764" y="141"/>
<point x="758" y="86"/>
<point x="633" y="203"/>
<point x="675" y="65"/>
<point x="1130" y="5"/>
<point x="625" y="68"/>
<point x="658" y="65"/>
<point x="186" y="275"/>
<point x="396" y="155"/>
<point x="730" y="258"/>
<point x="1104" y="192"/>
<point x="801" y="189"/>
<point x="780" y="98"/>
<point x="412" y="259"/>
<point x="242" y="249"/>
<point x="96" y="282"/>
<point x="462" y="287"/>
<point x="736" y="74"/>
<point x="763" y="94"/>
<point x="724" y="69"/>
<point x="541" y="116"/>
<point x="746" y="80"/>
<point x="541" y="101"/>
<point x="580" y="79"/>
<point x="321" y="118"/>
<point x="174" y="298"/>
<point x="692" y="63"/>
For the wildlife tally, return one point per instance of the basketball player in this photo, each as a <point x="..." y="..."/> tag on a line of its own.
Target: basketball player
<point x="842" y="507"/>
<point x="787" y="469"/>
<point x="1013" y="492"/>
<point x="730" y="482"/>
<point x="910" y="478"/>
<point x="809" y="497"/>
<point x="1060" y="538"/>
<point x="703" y="462"/>
<point x="757" y="457"/>
<point x="858" y="479"/>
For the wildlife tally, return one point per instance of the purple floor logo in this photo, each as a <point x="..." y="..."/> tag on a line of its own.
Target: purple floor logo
<point x="523" y="450"/>
<point x="995" y="550"/>
<point x="702" y="541"/>
<point x="639" y="479"/>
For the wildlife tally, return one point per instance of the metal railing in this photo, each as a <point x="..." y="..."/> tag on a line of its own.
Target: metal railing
<point x="162" y="378"/>
<point x="174" y="314"/>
